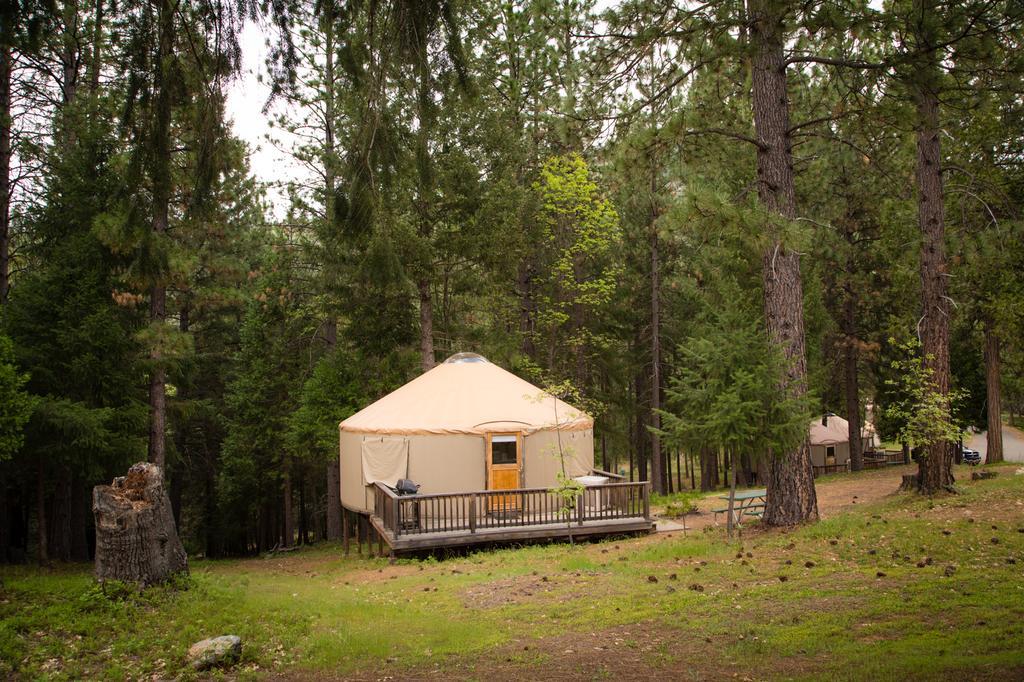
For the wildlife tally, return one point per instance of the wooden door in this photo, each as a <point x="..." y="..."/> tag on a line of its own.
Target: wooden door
<point x="504" y="469"/>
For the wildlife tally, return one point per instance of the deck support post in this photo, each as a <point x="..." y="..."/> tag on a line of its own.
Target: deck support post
<point x="579" y="508"/>
<point x="647" y="500"/>
<point x="380" y="544"/>
<point x="472" y="513"/>
<point x="344" y="529"/>
<point x="359" y="534"/>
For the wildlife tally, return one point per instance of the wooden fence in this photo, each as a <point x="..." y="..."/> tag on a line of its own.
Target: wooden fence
<point x="830" y="469"/>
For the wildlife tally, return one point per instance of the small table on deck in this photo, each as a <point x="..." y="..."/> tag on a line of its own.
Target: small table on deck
<point x="746" y="502"/>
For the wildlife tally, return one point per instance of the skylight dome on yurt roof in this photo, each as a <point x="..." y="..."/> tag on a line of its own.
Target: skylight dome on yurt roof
<point x="465" y="357"/>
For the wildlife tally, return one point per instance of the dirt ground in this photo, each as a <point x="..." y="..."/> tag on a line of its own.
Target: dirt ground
<point x="835" y="494"/>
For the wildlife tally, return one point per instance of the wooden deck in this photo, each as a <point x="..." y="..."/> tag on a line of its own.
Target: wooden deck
<point x="417" y="522"/>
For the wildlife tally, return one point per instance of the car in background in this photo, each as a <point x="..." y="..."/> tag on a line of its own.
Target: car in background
<point x="972" y="457"/>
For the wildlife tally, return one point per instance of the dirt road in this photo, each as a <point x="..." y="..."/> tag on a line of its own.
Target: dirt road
<point x="1013" y="444"/>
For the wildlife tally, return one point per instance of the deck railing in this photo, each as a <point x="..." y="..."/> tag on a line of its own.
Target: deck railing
<point x="486" y="509"/>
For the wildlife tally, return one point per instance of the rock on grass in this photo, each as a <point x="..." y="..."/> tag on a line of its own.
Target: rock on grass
<point x="215" y="652"/>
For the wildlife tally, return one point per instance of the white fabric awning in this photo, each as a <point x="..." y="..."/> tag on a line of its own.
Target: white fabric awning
<point x="385" y="460"/>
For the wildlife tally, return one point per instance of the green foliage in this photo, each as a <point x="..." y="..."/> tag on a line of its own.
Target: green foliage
<point x="677" y="505"/>
<point x="260" y="395"/>
<point x="16" y="404"/>
<point x="925" y="414"/>
<point x="568" y="491"/>
<point x="534" y="198"/>
<point x="581" y="233"/>
<point x="333" y="392"/>
<point x="582" y="229"/>
<point x="724" y="393"/>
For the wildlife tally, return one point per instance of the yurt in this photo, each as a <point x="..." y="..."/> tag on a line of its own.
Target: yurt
<point x="465" y="425"/>
<point x="830" y="440"/>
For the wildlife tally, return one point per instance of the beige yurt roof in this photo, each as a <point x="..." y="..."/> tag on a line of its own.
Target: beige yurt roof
<point x="837" y="431"/>
<point x="466" y="394"/>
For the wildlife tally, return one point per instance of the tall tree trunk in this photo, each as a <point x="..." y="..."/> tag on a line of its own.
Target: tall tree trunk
<point x="6" y="122"/>
<point x="288" y="529"/>
<point x="425" y="198"/>
<point x="5" y="518"/>
<point x="44" y="555"/>
<point x="852" y="384"/>
<point x="524" y="290"/>
<point x="667" y="459"/>
<point x="657" y="457"/>
<point x="175" y="472"/>
<point x="640" y="438"/>
<point x="732" y="492"/>
<point x="332" y="527"/>
<point x="212" y="536"/>
<point x="95" y="65"/>
<point x="708" y="469"/>
<point x="334" y="510"/>
<point x="631" y="445"/>
<point x="427" y="360"/>
<point x="333" y="468"/>
<point x="791" y="496"/>
<point x="303" y="526"/>
<point x="680" y="473"/>
<point x="747" y="469"/>
<point x="58" y="525"/>
<point x="160" y="171"/>
<point x="79" y="520"/>
<point x="935" y="470"/>
<point x="69" y="59"/>
<point x="994" y="399"/>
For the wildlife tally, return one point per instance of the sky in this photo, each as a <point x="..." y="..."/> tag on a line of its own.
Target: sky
<point x="247" y="96"/>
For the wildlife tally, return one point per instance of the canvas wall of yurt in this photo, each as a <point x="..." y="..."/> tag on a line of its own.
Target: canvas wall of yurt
<point x="830" y="441"/>
<point x="465" y="425"/>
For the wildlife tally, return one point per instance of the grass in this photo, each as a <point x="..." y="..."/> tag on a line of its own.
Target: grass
<point x="676" y="504"/>
<point x="840" y="599"/>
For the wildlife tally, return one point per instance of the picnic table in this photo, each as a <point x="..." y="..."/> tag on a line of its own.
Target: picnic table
<point x="747" y="503"/>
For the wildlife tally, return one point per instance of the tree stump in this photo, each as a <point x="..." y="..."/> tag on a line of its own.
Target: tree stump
<point x="910" y="483"/>
<point x="136" y="540"/>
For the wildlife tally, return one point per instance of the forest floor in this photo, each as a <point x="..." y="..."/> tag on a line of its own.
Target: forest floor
<point x="887" y="586"/>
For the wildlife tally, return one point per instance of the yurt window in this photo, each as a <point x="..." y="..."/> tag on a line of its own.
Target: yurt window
<point x="504" y="450"/>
